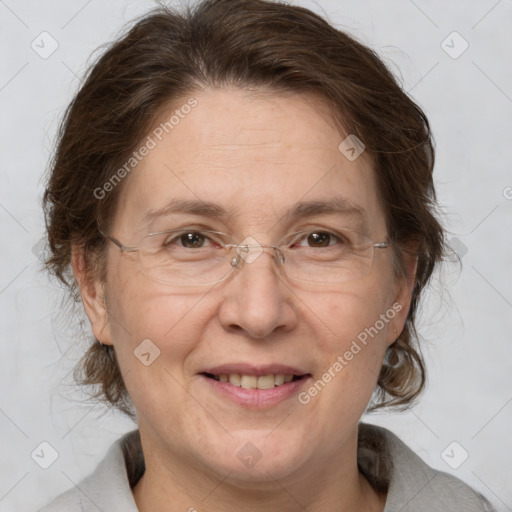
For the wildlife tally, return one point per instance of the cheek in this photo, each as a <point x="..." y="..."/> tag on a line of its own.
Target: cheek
<point x="158" y="334"/>
<point x="351" y="331"/>
<point x="349" y="351"/>
<point x="148" y="317"/>
<point x="351" y="315"/>
<point x="350" y="342"/>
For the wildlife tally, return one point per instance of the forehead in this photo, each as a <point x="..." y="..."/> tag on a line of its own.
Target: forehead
<point x="255" y="154"/>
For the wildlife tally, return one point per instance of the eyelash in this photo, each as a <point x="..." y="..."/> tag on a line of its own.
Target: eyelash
<point x="334" y="236"/>
<point x="304" y="235"/>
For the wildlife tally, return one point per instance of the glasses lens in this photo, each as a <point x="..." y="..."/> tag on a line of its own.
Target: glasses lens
<point x="329" y="257"/>
<point x="184" y="257"/>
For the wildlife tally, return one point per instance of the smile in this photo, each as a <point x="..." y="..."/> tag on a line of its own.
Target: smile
<point x="254" y="382"/>
<point x="255" y="387"/>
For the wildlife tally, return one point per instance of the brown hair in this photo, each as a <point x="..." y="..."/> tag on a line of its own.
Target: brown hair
<point x="167" y="55"/>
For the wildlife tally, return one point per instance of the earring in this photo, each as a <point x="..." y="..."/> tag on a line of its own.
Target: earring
<point x="393" y="357"/>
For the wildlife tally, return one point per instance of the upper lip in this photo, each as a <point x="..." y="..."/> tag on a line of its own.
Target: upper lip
<point x="256" y="370"/>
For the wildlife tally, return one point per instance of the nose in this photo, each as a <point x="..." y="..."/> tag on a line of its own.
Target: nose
<point x="256" y="300"/>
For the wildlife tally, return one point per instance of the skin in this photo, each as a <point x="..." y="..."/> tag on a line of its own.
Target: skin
<point x="255" y="154"/>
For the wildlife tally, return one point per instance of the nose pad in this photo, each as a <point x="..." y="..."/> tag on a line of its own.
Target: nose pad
<point x="279" y="255"/>
<point x="241" y="254"/>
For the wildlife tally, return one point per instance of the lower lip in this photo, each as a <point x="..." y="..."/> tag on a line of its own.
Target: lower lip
<point x="256" y="398"/>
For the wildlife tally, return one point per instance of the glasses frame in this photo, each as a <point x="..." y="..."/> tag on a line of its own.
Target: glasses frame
<point x="236" y="261"/>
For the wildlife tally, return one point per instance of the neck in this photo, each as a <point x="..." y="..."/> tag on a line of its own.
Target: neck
<point x="328" y="485"/>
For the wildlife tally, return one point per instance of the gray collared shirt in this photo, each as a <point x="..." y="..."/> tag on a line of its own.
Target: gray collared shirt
<point x="412" y="485"/>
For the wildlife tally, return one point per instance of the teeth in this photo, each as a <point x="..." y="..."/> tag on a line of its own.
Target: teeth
<point x="249" y="382"/>
<point x="266" y="382"/>
<point x="235" y="379"/>
<point x="279" y="379"/>
<point x="253" y="382"/>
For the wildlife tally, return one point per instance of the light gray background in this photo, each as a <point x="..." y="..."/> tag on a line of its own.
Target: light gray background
<point x="467" y="320"/>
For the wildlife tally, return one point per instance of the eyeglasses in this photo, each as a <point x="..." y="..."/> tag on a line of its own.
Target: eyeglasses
<point x="192" y="257"/>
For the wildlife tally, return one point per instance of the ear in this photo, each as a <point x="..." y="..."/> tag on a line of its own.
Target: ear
<point x="404" y="286"/>
<point x="93" y="296"/>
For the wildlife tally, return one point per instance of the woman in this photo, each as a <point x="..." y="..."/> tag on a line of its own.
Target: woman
<point x="245" y="197"/>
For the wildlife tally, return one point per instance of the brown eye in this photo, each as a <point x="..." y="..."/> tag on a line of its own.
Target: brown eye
<point x="192" y="240"/>
<point x="319" y="239"/>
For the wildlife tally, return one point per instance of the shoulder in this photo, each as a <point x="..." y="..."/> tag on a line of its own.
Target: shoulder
<point x="109" y="486"/>
<point x="412" y="485"/>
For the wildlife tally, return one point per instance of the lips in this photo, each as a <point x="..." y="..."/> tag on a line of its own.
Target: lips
<point x="255" y="387"/>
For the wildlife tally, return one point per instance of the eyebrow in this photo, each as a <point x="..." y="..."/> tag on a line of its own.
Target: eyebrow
<point x="195" y="207"/>
<point x="336" y="205"/>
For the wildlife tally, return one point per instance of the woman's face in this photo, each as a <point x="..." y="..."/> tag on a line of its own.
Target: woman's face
<point x="255" y="158"/>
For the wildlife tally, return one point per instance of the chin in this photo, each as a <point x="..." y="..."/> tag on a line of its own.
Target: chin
<point x="258" y="456"/>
